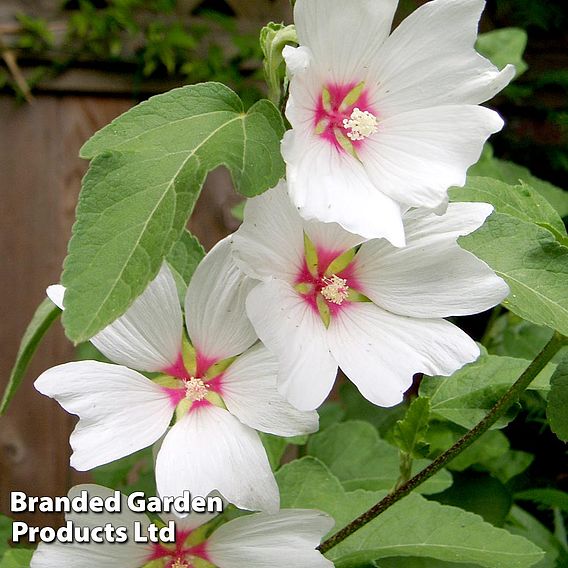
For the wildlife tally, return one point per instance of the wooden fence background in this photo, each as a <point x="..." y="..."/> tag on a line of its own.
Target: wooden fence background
<point x="40" y="175"/>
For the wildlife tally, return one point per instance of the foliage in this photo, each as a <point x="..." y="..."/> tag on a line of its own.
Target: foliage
<point x="143" y="36"/>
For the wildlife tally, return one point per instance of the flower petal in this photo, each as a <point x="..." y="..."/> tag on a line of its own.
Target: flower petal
<point x="210" y="449"/>
<point x="215" y="306"/>
<point x="271" y="541"/>
<point x="93" y="555"/>
<point x="282" y="253"/>
<point x="56" y="293"/>
<point x="294" y="332"/>
<point x="120" y="411"/>
<point x="249" y="390"/>
<point x="148" y="336"/>
<point x="432" y="276"/>
<point x="430" y="60"/>
<point x="343" y="35"/>
<point x="330" y="186"/>
<point x="380" y="352"/>
<point x="416" y="156"/>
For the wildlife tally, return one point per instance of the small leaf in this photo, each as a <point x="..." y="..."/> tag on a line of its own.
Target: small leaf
<point x="147" y="171"/>
<point x="520" y="201"/>
<point x="466" y="396"/>
<point x="354" y="453"/>
<point x="532" y="262"/>
<point x="549" y="497"/>
<point x="42" y="320"/>
<point x="489" y="166"/>
<point x="409" y="434"/>
<point x="557" y="409"/>
<point x="504" y="46"/>
<point x="183" y="259"/>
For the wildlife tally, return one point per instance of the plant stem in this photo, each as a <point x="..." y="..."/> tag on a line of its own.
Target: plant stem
<point x="498" y="410"/>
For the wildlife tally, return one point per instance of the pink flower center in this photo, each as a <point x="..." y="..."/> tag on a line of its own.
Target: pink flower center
<point x="324" y="290"/>
<point x="192" y="391"/>
<point x="181" y="554"/>
<point x="344" y="117"/>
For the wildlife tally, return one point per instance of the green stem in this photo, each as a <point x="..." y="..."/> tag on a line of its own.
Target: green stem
<point x="405" y="470"/>
<point x="498" y="410"/>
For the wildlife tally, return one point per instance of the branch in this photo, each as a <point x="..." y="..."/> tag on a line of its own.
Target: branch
<point x="498" y="410"/>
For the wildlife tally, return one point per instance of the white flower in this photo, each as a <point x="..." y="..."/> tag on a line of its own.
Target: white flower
<point x="375" y="310"/>
<point x="288" y="538"/>
<point x="381" y="123"/>
<point x="221" y="388"/>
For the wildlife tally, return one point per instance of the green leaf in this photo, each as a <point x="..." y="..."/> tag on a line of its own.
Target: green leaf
<point x="412" y="527"/>
<point x="421" y="528"/>
<point x="357" y="456"/>
<point x="482" y="453"/>
<point x="466" y="396"/>
<point x="147" y="172"/>
<point x="479" y="493"/>
<point x="549" y="497"/>
<point x="421" y="563"/>
<point x="504" y="46"/>
<point x="532" y="262"/>
<point x="520" y="201"/>
<point x="42" y="319"/>
<point x="359" y="408"/>
<point x="17" y="558"/>
<point x="515" y="337"/>
<point x="275" y="447"/>
<point x="129" y="474"/>
<point x="183" y="259"/>
<point x="523" y="524"/>
<point x="556" y="411"/>
<point x="511" y="173"/>
<point x="409" y="434"/>
<point x="5" y="533"/>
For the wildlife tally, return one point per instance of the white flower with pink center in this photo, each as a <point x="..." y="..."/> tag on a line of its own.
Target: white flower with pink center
<point x="287" y="538"/>
<point x="384" y="122"/>
<point x="220" y="386"/>
<point x="329" y="299"/>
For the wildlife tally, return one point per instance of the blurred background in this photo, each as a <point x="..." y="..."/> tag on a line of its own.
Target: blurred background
<point x="69" y="67"/>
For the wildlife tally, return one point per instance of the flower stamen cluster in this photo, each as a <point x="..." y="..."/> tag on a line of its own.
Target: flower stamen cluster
<point x="361" y="123"/>
<point x="335" y="289"/>
<point x="195" y="389"/>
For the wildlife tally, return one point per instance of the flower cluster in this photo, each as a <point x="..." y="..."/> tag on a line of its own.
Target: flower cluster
<point x="352" y="262"/>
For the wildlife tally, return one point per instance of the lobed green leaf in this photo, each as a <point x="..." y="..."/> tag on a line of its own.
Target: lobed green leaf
<point x="146" y="174"/>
